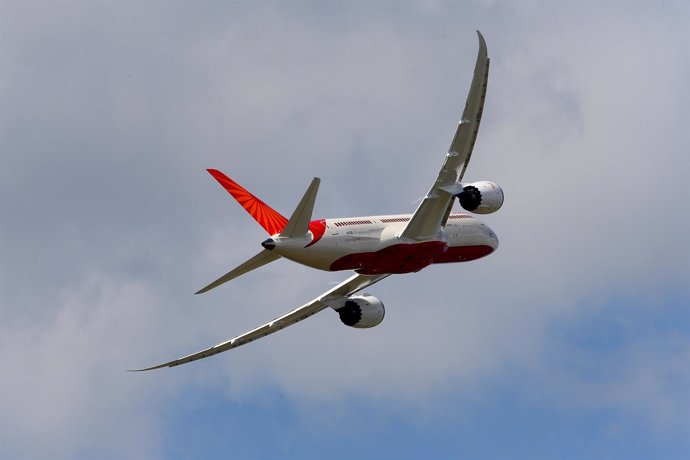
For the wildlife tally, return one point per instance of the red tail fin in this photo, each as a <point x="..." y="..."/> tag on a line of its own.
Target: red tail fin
<point x="272" y="221"/>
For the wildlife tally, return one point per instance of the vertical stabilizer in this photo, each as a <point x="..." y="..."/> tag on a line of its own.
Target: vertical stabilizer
<point x="271" y="220"/>
<point x="298" y="224"/>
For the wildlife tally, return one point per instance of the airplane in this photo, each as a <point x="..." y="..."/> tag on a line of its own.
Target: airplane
<point x="375" y="247"/>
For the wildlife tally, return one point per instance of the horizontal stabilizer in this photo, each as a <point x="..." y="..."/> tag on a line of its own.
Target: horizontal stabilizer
<point x="259" y="260"/>
<point x="298" y="224"/>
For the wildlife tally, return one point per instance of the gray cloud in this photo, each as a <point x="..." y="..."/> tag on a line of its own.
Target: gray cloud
<point x="111" y="112"/>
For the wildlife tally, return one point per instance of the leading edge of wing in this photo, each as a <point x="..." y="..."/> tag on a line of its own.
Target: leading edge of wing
<point x="348" y="287"/>
<point x="464" y="139"/>
<point x="434" y="209"/>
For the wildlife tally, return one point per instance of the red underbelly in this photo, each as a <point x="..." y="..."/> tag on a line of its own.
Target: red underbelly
<point x="398" y="258"/>
<point x="408" y="258"/>
<point x="463" y="254"/>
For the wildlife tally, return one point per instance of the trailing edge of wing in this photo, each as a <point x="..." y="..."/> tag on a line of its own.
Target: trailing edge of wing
<point x="434" y="209"/>
<point x="259" y="260"/>
<point x="346" y="288"/>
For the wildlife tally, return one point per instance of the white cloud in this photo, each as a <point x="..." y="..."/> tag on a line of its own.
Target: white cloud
<point x="64" y="381"/>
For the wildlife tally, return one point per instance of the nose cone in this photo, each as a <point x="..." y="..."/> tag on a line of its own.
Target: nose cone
<point x="491" y="238"/>
<point x="269" y="243"/>
<point x="494" y="239"/>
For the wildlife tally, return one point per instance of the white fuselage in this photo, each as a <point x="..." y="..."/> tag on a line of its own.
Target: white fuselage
<point x="371" y="245"/>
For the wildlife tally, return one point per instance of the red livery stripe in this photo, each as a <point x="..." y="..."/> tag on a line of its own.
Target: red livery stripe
<point x="270" y="219"/>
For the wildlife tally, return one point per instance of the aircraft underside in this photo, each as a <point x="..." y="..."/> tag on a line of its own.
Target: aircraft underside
<point x="408" y="258"/>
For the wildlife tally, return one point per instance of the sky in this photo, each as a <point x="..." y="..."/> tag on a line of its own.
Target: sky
<point x="571" y="341"/>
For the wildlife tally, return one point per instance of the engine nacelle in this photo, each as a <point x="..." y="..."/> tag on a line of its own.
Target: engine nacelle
<point x="361" y="311"/>
<point x="482" y="197"/>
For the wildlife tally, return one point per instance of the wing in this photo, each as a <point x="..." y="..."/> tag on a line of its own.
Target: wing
<point x="434" y="209"/>
<point x="346" y="288"/>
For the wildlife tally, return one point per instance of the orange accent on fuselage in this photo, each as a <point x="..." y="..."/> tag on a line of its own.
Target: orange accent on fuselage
<point x="317" y="229"/>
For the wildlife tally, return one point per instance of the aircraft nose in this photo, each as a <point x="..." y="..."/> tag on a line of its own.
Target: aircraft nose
<point x="494" y="239"/>
<point x="491" y="236"/>
<point x="269" y="243"/>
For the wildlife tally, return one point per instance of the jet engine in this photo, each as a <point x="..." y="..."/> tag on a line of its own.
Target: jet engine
<point x="361" y="311"/>
<point x="482" y="197"/>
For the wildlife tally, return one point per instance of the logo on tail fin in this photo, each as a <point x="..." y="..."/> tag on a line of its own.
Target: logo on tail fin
<point x="270" y="219"/>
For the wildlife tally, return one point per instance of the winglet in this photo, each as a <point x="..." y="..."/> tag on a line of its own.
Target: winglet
<point x="298" y="224"/>
<point x="271" y="220"/>
<point x="482" y="42"/>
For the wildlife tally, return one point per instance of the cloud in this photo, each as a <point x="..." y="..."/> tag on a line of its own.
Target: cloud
<point x="64" y="380"/>
<point x="111" y="112"/>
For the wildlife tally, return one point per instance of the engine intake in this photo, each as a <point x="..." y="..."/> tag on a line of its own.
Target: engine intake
<point x="361" y="311"/>
<point x="482" y="197"/>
